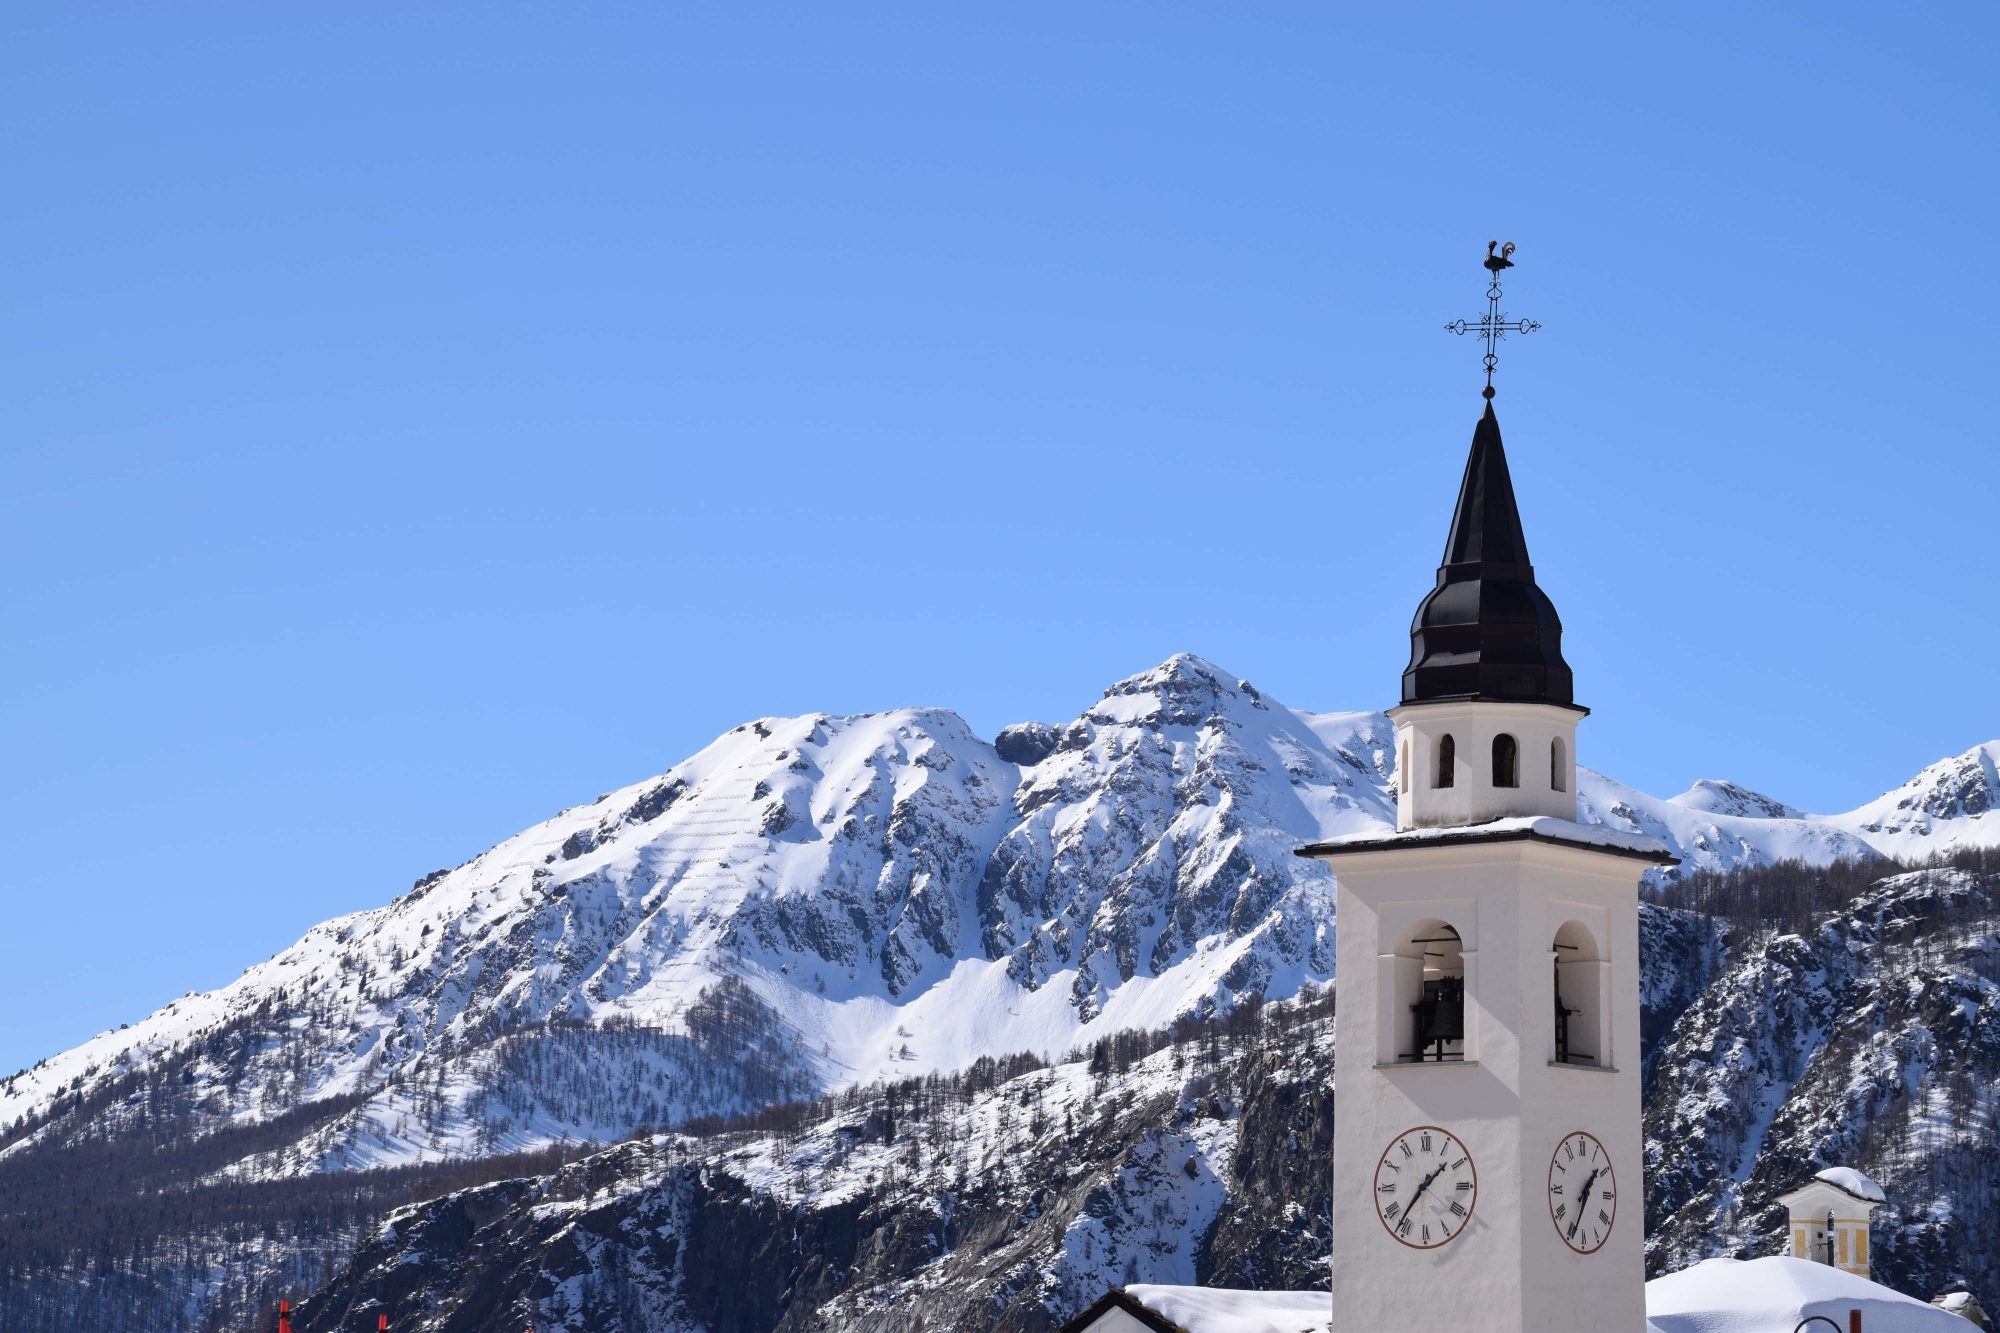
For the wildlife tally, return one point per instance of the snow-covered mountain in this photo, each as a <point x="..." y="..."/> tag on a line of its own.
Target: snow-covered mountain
<point x="886" y="894"/>
<point x="1872" y="1038"/>
<point x="816" y="903"/>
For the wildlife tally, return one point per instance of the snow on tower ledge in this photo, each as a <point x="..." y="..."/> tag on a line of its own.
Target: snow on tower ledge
<point x="1543" y="828"/>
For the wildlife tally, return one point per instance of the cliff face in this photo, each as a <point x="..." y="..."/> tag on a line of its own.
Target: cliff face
<point x="1871" y="1039"/>
<point x="979" y="1201"/>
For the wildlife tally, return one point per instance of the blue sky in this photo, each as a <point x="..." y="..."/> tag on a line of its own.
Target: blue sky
<point x="419" y="418"/>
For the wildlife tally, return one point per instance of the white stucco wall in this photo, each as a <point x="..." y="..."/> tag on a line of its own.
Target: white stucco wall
<point x="1472" y="798"/>
<point x="1509" y="1269"/>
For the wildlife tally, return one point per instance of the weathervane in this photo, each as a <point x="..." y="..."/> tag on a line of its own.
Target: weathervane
<point x="1494" y="327"/>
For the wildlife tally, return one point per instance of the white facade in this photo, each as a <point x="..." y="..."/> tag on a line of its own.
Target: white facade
<point x="1823" y="1209"/>
<point x="1448" y="772"/>
<point x="1515" y="917"/>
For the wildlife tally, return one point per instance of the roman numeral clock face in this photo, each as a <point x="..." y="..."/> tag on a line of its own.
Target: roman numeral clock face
<point x="1583" y="1197"/>
<point x="1425" y="1187"/>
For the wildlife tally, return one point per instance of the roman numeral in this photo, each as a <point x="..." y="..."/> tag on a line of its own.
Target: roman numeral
<point x="1555" y="1189"/>
<point x="1404" y="1144"/>
<point x="1561" y="1209"/>
<point x="1460" y="1162"/>
<point x="1569" y="1151"/>
<point x="1391" y="1211"/>
<point x="1389" y="1188"/>
<point x="1464" y="1186"/>
<point x="1427" y="1143"/>
<point x="1458" y="1208"/>
<point x="1604" y="1217"/>
<point x="1427" y="1233"/>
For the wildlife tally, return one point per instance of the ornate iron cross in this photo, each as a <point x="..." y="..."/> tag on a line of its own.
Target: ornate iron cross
<point x="1495" y="326"/>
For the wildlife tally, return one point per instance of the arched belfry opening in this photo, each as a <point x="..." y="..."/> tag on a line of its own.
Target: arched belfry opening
<point x="1580" y="1033"/>
<point x="1446" y="772"/>
<point x="1558" y="765"/>
<point x="1427" y="1010"/>
<point x="1506" y="761"/>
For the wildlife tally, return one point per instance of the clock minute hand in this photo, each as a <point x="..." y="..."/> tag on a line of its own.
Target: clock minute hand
<point x="1581" y="1200"/>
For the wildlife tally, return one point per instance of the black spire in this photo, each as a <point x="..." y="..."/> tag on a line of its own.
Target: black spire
<point x="1487" y="631"/>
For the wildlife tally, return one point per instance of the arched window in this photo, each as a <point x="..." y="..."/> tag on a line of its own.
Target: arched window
<point x="1426" y="1006"/>
<point x="1558" y="763"/>
<point x="1506" y="761"/>
<point x="1580" y="1030"/>
<point x="1447" y="762"/>
<point x="1403" y="767"/>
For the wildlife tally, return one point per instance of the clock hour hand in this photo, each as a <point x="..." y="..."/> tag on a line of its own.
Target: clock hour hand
<point x="1426" y="1184"/>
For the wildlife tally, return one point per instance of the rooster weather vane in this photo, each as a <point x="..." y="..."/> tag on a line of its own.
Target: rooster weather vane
<point x="1494" y="326"/>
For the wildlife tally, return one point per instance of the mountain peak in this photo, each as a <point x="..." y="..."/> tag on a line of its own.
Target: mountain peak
<point x="1718" y="797"/>
<point x="1958" y="787"/>
<point x="1184" y="690"/>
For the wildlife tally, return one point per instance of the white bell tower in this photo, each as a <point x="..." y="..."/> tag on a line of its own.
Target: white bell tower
<point x="1487" y="1154"/>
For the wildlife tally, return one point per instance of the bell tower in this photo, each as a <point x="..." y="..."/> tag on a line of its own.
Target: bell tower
<point x="1487" y="1153"/>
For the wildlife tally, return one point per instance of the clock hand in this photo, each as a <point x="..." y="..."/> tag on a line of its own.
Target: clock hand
<point x="1426" y="1184"/>
<point x="1583" y="1199"/>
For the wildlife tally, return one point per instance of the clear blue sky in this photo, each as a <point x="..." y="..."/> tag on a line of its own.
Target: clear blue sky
<point x="418" y="418"/>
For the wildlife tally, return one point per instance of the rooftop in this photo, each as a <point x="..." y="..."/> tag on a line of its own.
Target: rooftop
<point x="1542" y="828"/>
<point x="1713" y="1296"/>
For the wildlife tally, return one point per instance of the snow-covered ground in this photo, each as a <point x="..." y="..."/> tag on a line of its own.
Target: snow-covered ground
<point x="1714" y="1296"/>
<point x="1776" y="1292"/>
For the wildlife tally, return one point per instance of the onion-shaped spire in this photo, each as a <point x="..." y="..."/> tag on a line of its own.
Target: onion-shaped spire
<point x="1487" y="631"/>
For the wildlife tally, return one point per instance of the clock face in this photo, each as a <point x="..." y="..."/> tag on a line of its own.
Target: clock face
<point x="1425" y="1187"/>
<point x="1583" y="1195"/>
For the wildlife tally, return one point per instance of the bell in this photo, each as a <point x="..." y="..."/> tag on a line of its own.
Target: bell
<point x="1440" y="1015"/>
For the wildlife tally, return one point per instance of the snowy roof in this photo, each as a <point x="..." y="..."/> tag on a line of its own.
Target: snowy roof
<point x="1757" y="1295"/>
<point x="1215" y="1310"/>
<point x="1847" y="1178"/>
<point x="1713" y="1296"/>
<point x="1840" y="1179"/>
<point x="1543" y="827"/>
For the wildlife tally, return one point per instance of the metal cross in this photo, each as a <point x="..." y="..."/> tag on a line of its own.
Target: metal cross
<point x="1495" y="326"/>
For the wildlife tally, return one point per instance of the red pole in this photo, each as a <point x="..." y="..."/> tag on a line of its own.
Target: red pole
<point x="284" y="1316"/>
<point x="381" y="1323"/>
<point x="1854" y="1321"/>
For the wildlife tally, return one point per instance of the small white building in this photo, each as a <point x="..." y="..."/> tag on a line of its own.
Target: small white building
<point x="1829" y="1218"/>
<point x="1963" y="1304"/>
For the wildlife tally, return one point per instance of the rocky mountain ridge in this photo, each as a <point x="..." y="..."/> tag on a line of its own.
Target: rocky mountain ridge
<point x="821" y="903"/>
<point x="906" y="894"/>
